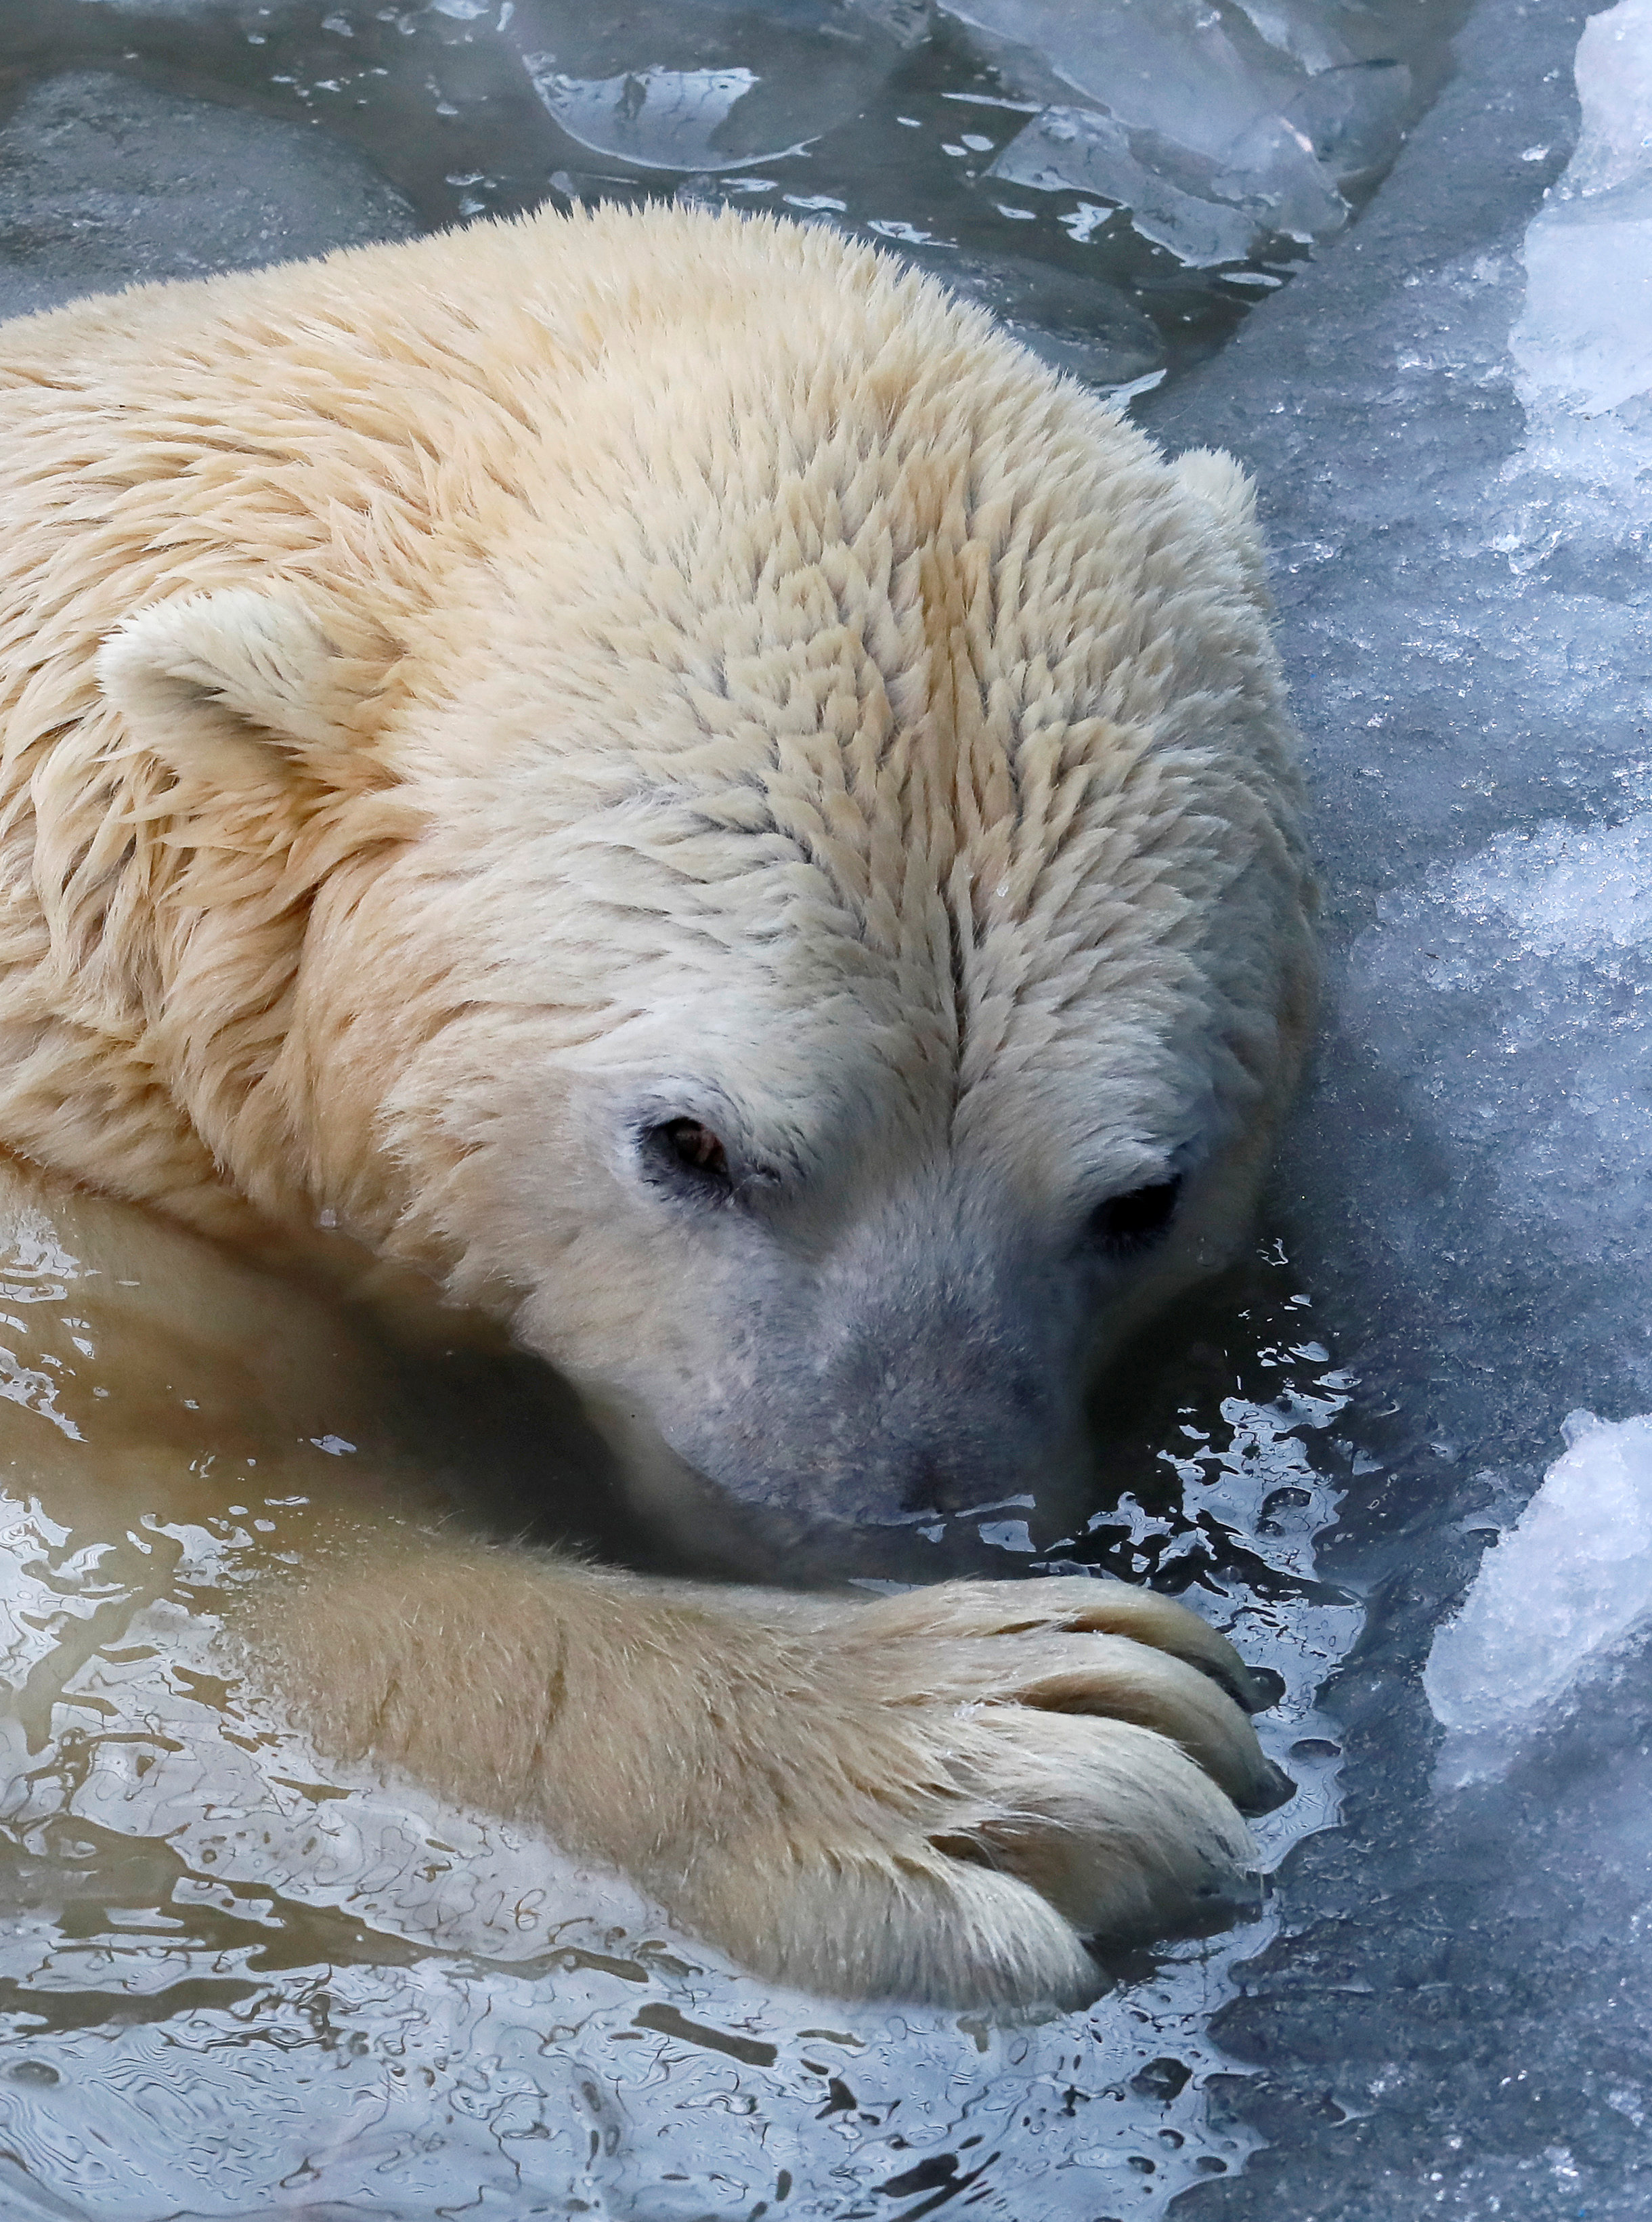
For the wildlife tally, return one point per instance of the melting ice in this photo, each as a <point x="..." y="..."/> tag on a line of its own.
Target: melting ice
<point x="1585" y="341"/>
<point x="1552" y="1602"/>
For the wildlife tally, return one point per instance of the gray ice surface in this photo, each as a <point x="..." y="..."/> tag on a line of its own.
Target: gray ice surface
<point x="105" y="182"/>
<point x="1447" y="415"/>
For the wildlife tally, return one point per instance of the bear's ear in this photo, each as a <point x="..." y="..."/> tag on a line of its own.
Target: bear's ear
<point x="1223" y="487"/>
<point x="241" y="686"/>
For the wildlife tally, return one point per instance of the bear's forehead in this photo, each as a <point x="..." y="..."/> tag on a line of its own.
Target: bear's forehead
<point x="818" y="634"/>
<point x="978" y="660"/>
<point x="1019" y="753"/>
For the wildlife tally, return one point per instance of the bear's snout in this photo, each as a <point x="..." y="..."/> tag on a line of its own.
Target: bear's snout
<point x="871" y="1398"/>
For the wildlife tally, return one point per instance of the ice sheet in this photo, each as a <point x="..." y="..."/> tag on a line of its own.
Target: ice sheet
<point x="1091" y="153"/>
<point x="1184" y="120"/>
<point x="660" y="119"/>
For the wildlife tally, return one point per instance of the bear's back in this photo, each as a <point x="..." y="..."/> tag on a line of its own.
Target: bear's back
<point x="288" y="420"/>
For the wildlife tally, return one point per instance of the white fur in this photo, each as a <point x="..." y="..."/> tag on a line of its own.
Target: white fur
<point x="467" y="704"/>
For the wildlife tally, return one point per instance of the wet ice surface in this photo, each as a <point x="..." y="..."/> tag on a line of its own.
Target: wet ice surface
<point x="103" y="185"/>
<point x="264" y="1985"/>
<point x="1448" y="416"/>
<point x="957" y="136"/>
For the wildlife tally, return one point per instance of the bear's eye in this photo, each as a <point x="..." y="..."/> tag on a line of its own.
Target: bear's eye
<point x="682" y="1148"/>
<point x="1128" y="1223"/>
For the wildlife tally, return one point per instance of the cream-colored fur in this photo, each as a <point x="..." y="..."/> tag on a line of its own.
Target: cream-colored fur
<point x="467" y="704"/>
<point x="937" y="1796"/>
<point x="809" y="1780"/>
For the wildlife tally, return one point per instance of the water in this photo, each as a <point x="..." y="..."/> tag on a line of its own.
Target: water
<point x="234" y="1977"/>
<point x="894" y="118"/>
<point x="238" y="1980"/>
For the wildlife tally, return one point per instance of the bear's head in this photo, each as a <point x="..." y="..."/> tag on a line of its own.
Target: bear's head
<point x="793" y="888"/>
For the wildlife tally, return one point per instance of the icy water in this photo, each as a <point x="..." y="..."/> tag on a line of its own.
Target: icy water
<point x="237" y="1982"/>
<point x="964" y="136"/>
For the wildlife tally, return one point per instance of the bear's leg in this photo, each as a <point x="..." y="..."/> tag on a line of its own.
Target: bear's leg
<point x="938" y="1795"/>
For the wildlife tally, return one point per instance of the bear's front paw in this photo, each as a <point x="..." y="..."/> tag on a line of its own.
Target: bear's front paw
<point x="1014" y="1767"/>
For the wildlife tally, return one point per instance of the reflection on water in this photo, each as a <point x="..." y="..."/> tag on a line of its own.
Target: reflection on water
<point x="233" y="1977"/>
<point x="1119" y="179"/>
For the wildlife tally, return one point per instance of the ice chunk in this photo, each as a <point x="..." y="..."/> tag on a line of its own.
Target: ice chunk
<point x="1614" y="80"/>
<point x="1079" y="149"/>
<point x="1213" y="121"/>
<point x="705" y="89"/>
<point x="1555" y="1598"/>
<point x="1303" y="28"/>
<point x="1196" y="73"/>
<point x="1585" y="342"/>
<point x="1184" y="120"/>
<point x="1582" y="348"/>
<point x="1355" y="116"/>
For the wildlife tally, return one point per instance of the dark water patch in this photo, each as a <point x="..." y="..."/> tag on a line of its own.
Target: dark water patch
<point x="946" y="134"/>
<point x="670" y="2021"/>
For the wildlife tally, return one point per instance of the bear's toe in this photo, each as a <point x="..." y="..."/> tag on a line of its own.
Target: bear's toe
<point x="1111" y="1823"/>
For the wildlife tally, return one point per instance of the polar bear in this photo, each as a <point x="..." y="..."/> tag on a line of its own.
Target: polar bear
<point x="669" y="776"/>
